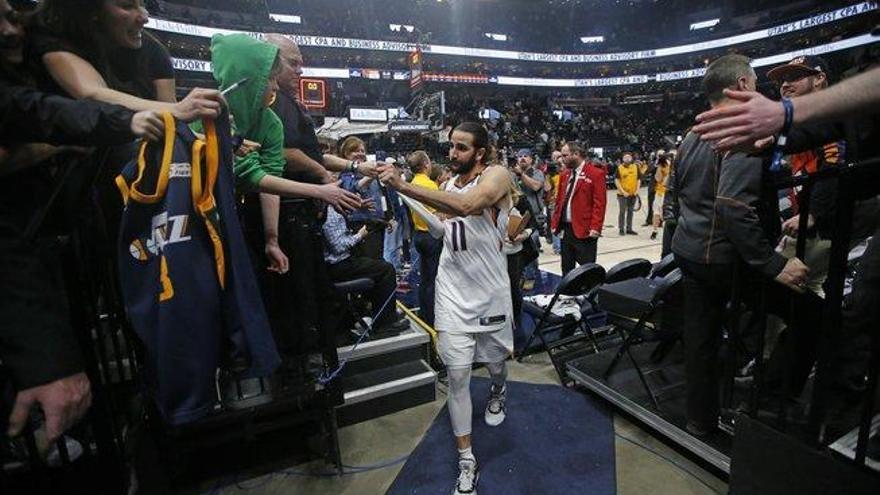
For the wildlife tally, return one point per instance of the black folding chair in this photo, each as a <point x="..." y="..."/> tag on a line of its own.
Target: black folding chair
<point x="625" y="270"/>
<point x="582" y="281"/>
<point x="633" y="305"/>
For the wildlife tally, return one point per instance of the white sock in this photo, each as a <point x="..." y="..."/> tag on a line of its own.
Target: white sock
<point x="466" y="454"/>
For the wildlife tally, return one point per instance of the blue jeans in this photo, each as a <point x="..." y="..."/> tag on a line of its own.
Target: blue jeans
<point x="429" y="250"/>
<point x="393" y="243"/>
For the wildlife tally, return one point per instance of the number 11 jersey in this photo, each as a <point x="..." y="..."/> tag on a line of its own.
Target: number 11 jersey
<point x="472" y="288"/>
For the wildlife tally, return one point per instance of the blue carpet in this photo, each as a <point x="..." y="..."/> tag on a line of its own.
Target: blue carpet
<point x="554" y="441"/>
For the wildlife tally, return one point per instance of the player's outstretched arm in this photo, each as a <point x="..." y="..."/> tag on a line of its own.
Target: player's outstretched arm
<point x="494" y="184"/>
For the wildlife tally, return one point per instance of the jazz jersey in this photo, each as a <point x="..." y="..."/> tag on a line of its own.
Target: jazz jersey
<point x="188" y="285"/>
<point x="472" y="288"/>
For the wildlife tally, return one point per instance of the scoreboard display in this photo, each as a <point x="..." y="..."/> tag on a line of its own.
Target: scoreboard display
<point x="313" y="93"/>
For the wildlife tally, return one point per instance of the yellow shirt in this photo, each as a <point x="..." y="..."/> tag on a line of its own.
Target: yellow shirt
<point x="423" y="180"/>
<point x="661" y="179"/>
<point x="628" y="175"/>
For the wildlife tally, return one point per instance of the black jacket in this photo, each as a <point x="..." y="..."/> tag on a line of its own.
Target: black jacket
<point x="726" y="209"/>
<point x="29" y="115"/>
<point x="36" y="341"/>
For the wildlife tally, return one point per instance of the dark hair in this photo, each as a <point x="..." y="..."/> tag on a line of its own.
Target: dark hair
<point x="73" y="22"/>
<point x="723" y="73"/>
<point x="576" y="148"/>
<point x="481" y="138"/>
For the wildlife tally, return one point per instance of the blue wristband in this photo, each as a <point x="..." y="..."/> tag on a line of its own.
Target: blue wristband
<point x="778" y="151"/>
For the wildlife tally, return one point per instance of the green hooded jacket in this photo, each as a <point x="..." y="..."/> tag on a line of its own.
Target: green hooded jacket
<point x="235" y="57"/>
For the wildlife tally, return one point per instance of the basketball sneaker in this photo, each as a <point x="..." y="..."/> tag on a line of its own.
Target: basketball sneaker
<point x="468" y="475"/>
<point x="495" y="408"/>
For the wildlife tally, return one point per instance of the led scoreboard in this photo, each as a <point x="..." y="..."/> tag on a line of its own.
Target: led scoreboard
<point x="313" y="93"/>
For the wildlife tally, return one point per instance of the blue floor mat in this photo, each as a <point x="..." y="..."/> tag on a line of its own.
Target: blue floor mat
<point x="554" y="441"/>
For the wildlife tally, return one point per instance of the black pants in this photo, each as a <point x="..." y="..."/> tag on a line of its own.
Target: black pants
<point x="574" y="250"/>
<point x="373" y="246"/>
<point x="668" y="232"/>
<point x="651" y="193"/>
<point x="381" y="273"/>
<point x="429" y="250"/>
<point x="707" y="290"/>
<point x="297" y="301"/>
<point x="514" y="271"/>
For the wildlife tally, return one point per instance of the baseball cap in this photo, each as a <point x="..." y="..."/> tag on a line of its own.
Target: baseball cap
<point x="805" y="65"/>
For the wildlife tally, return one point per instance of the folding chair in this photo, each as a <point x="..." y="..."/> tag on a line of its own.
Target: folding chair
<point x="582" y="281"/>
<point x="632" y="306"/>
<point x="625" y="270"/>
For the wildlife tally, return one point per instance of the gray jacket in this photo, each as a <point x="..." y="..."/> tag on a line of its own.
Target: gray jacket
<point x="725" y="208"/>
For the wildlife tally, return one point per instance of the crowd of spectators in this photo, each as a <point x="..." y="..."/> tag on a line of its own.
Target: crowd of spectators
<point x="453" y="22"/>
<point x="197" y="48"/>
<point x="542" y="124"/>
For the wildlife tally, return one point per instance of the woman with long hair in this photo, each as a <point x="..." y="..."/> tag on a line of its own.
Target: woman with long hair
<point x="98" y="49"/>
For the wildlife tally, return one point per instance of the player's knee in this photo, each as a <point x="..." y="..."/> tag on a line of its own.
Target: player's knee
<point x="459" y="380"/>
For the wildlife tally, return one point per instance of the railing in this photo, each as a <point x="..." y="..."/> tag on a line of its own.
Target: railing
<point x="856" y="182"/>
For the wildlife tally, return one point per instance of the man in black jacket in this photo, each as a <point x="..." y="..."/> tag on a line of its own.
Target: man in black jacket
<point x="727" y="217"/>
<point x="37" y="345"/>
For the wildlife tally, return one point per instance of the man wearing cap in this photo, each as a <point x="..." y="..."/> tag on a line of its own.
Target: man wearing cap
<point x="804" y="75"/>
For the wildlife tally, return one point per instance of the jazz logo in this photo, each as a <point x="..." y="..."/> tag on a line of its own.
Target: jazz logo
<point x="165" y="230"/>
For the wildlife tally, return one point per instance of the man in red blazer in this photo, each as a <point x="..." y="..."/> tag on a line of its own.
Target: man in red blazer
<point x="580" y="207"/>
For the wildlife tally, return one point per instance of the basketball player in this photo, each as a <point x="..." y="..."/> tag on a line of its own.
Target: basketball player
<point x="473" y="312"/>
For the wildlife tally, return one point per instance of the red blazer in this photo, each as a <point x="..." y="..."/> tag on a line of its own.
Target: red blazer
<point x="587" y="203"/>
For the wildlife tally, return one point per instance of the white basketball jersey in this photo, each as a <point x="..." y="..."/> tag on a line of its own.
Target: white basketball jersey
<point x="472" y="289"/>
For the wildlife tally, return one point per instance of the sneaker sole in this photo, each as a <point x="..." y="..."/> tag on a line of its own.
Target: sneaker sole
<point x="490" y="423"/>
<point x="472" y="492"/>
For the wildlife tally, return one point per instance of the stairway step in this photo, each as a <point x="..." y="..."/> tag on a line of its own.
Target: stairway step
<point x="385" y="381"/>
<point x="413" y="337"/>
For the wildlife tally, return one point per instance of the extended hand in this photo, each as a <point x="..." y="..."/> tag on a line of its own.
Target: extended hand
<point x="369" y="169"/>
<point x="741" y="124"/>
<point x="200" y="103"/>
<point x="390" y="176"/>
<point x="339" y="198"/>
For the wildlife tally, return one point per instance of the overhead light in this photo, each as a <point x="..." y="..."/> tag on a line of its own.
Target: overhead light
<point x="401" y="27"/>
<point x="496" y="37"/>
<point x="705" y="24"/>
<point x="289" y="19"/>
<point x="592" y="39"/>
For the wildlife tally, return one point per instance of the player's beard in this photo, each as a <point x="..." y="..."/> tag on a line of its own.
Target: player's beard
<point x="463" y="168"/>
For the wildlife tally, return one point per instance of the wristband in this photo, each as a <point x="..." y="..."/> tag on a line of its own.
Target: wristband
<point x="778" y="150"/>
<point x="351" y="167"/>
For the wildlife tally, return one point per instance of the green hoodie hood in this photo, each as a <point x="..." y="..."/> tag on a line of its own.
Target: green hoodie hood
<point x="238" y="56"/>
<point x="235" y="57"/>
